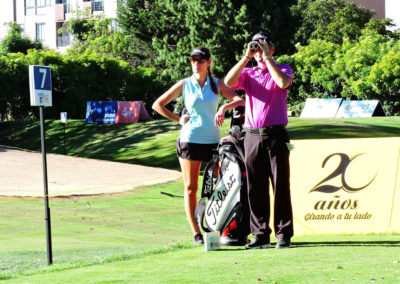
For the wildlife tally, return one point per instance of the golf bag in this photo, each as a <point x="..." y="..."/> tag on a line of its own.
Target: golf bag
<point x="223" y="205"/>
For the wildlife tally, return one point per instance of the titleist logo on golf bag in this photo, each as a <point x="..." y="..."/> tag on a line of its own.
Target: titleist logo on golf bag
<point x="223" y="205"/>
<point x="224" y="195"/>
<point x="208" y="183"/>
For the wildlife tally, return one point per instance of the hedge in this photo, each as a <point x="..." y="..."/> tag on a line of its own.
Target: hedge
<point x="76" y="79"/>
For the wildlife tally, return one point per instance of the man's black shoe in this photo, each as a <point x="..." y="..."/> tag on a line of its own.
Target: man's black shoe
<point x="258" y="244"/>
<point x="283" y="244"/>
<point x="198" y="239"/>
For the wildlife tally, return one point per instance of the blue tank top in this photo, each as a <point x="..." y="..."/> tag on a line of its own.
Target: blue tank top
<point x="201" y="104"/>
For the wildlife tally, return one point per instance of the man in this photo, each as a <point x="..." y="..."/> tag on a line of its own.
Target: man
<point x="266" y="142"/>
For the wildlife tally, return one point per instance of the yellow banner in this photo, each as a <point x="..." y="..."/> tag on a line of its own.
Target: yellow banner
<point x="345" y="185"/>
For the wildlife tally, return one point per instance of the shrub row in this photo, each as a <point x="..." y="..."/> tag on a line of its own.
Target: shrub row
<point x="75" y="80"/>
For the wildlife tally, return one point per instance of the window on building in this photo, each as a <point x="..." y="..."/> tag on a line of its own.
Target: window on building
<point x="97" y="5"/>
<point x="66" y="5"/>
<point x="40" y="31"/>
<point x="41" y="3"/>
<point x="63" y="39"/>
<point x="29" y="7"/>
<point x="40" y="6"/>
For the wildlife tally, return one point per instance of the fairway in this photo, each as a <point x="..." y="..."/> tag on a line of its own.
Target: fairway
<point x="142" y="236"/>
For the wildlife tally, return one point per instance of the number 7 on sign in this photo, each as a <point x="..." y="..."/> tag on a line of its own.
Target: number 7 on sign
<point x="44" y="71"/>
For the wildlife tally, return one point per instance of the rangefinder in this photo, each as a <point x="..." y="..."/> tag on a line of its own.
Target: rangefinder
<point x="254" y="45"/>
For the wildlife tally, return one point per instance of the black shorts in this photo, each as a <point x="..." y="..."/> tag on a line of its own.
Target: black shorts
<point x="195" y="151"/>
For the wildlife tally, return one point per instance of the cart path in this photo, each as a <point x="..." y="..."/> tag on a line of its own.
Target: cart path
<point x="21" y="174"/>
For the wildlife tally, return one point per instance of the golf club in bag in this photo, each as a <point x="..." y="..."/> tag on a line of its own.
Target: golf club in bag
<point x="223" y="205"/>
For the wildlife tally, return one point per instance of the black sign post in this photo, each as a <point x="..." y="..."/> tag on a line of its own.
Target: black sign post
<point x="46" y="191"/>
<point x="40" y="92"/>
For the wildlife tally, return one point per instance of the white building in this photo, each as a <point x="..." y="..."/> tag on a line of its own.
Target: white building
<point x="42" y="19"/>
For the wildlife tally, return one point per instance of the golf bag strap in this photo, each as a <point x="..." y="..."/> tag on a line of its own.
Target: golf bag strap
<point x="199" y="214"/>
<point x="237" y="145"/>
<point x="208" y="186"/>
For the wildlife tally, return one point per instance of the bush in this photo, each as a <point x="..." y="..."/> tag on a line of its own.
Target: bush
<point x="365" y="69"/>
<point x="76" y="79"/>
<point x="14" y="41"/>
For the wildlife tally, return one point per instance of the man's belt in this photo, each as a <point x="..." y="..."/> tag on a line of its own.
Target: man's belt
<point x="265" y="130"/>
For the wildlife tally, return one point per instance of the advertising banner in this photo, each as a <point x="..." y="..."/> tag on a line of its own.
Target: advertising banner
<point x="101" y="112"/>
<point x="345" y="185"/>
<point x="367" y="108"/>
<point x="116" y="112"/>
<point x="131" y="112"/>
<point x="318" y="108"/>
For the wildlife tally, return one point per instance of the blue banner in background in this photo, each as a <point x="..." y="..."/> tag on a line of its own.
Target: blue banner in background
<point x="101" y="111"/>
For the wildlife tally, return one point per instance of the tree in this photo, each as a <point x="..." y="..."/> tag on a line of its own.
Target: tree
<point x="169" y="29"/>
<point x="15" y="42"/>
<point x="347" y="22"/>
<point x="97" y="35"/>
<point x="329" y="20"/>
<point x="146" y="20"/>
<point x="364" y="69"/>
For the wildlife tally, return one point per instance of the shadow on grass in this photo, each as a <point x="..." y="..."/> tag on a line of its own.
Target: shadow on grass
<point x="128" y="143"/>
<point x="382" y="243"/>
<point x="347" y="130"/>
<point x="343" y="129"/>
<point x="327" y="244"/>
<point x="152" y="143"/>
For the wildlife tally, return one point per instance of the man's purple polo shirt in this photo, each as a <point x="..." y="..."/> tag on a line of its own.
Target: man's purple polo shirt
<point x="265" y="100"/>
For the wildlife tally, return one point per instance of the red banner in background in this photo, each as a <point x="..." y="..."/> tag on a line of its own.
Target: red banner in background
<point x="131" y="112"/>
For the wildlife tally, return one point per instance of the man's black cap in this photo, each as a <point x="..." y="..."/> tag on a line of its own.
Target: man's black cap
<point x="263" y="35"/>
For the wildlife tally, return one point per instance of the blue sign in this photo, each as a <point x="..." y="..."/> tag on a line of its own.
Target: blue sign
<point x="101" y="112"/>
<point x="63" y="117"/>
<point x="42" y="75"/>
<point x="40" y="85"/>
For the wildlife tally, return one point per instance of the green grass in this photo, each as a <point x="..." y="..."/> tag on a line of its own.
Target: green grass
<point x="91" y="230"/>
<point x="142" y="236"/>
<point x="153" y="143"/>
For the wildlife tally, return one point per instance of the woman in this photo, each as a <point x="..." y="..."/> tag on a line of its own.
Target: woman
<point x="200" y="133"/>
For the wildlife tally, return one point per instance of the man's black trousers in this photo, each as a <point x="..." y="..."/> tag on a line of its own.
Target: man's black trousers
<point x="267" y="157"/>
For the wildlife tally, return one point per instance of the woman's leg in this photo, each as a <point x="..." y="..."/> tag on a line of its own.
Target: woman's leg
<point x="190" y="172"/>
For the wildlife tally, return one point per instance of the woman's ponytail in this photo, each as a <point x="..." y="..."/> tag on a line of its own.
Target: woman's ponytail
<point x="212" y="82"/>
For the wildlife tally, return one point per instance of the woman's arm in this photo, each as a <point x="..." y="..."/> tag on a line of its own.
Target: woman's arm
<point x="159" y="105"/>
<point x="231" y="95"/>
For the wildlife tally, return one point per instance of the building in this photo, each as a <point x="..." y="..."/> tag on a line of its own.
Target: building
<point x="43" y="19"/>
<point x="383" y="9"/>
